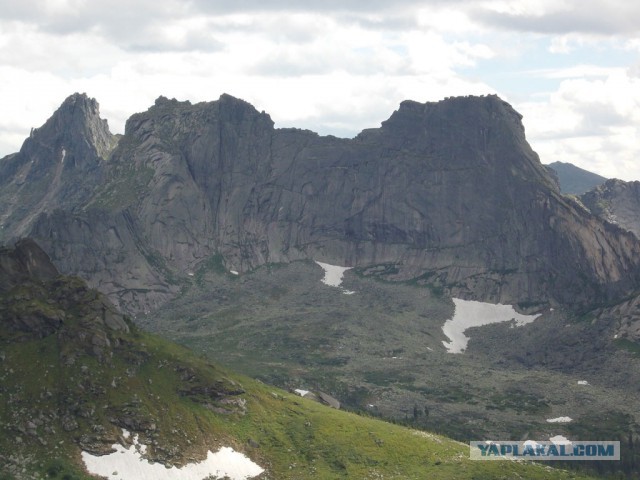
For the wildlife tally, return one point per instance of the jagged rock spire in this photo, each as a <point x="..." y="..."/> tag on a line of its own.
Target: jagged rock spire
<point x="75" y="127"/>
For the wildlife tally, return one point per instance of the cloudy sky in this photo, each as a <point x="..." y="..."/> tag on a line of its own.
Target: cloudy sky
<point x="571" y="67"/>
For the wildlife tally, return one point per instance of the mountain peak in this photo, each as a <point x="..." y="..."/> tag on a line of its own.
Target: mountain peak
<point x="82" y="102"/>
<point x="75" y="128"/>
<point x="236" y="109"/>
<point x="486" y="108"/>
<point x="163" y="101"/>
<point x="58" y="165"/>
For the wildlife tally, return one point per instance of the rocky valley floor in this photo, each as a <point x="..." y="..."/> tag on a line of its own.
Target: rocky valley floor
<point x="380" y="350"/>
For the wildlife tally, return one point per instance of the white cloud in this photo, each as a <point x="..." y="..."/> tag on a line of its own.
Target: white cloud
<point x="592" y="123"/>
<point x="304" y="69"/>
<point x="597" y="17"/>
<point x="336" y="66"/>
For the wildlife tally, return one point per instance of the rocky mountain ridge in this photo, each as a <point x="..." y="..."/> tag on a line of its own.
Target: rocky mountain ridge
<point x="449" y="192"/>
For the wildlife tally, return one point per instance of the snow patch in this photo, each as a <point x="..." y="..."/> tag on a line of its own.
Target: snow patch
<point x="469" y="313"/>
<point x="300" y="392"/>
<point x="333" y="275"/>
<point x="583" y="382"/>
<point x="560" y="440"/>
<point x="233" y="272"/>
<point x="128" y="464"/>
<point x="64" y="154"/>
<point x="560" y="420"/>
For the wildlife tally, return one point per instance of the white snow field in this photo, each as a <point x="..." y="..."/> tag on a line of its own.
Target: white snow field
<point x="469" y="313"/>
<point x="128" y="464"/>
<point x="333" y="275"/>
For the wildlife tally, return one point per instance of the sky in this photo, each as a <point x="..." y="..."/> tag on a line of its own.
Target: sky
<point x="570" y="67"/>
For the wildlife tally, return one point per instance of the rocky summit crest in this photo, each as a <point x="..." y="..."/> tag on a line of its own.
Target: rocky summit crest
<point x="617" y="202"/>
<point x="76" y="127"/>
<point x="449" y="192"/>
<point x="57" y="167"/>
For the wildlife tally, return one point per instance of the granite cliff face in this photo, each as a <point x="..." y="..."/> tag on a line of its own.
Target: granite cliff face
<point x="450" y="192"/>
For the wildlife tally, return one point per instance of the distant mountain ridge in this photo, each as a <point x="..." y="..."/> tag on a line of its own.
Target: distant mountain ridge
<point x="448" y="191"/>
<point x="575" y="180"/>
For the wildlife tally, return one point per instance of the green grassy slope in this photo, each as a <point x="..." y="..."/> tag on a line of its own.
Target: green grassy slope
<point x="289" y="436"/>
<point x="78" y="387"/>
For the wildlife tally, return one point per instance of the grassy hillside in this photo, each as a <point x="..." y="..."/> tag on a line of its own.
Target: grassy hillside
<point x="76" y="387"/>
<point x="289" y="436"/>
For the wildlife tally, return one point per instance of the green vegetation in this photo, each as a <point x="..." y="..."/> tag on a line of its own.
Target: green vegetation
<point x="379" y="351"/>
<point x="628" y="345"/>
<point x="520" y="402"/>
<point x="77" y="387"/>
<point x="214" y="264"/>
<point x="292" y="437"/>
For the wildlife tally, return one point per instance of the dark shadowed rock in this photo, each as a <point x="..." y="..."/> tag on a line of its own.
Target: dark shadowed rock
<point x="27" y="261"/>
<point x="35" y="300"/>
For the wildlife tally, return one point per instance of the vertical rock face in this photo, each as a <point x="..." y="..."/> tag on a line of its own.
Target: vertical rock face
<point x="450" y="191"/>
<point x="617" y="202"/>
<point x="58" y="166"/>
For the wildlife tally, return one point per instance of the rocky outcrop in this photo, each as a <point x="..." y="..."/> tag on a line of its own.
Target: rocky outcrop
<point x="36" y="301"/>
<point x="617" y="202"/>
<point x="27" y="261"/>
<point x="75" y="371"/>
<point x="448" y="192"/>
